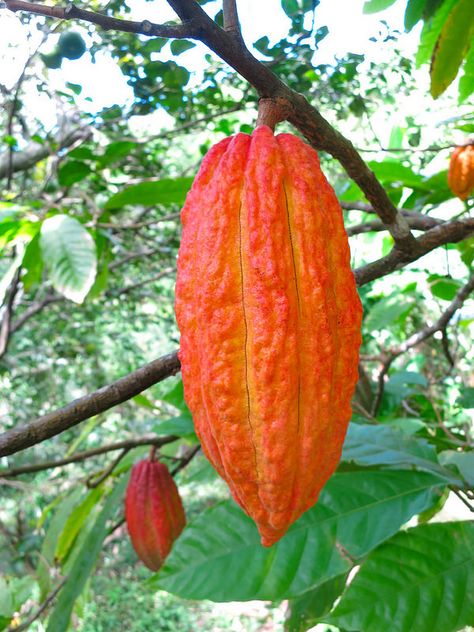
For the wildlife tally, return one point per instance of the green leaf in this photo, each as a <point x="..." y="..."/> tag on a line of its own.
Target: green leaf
<point x="356" y="511"/>
<point x="179" y="46"/>
<point x="46" y="556"/>
<point x="452" y="46"/>
<point x="431" y="30"/>
<point x="374" y="6"/>
<point x="387" y="311"/>
<point x="466" y="82"/>
<point x="175" y="397"/>
<point x="117" y="150"/>
<point x="167" y="191"/>
<point x="72" y="171"/>
<point x="443" y="287"/>
<point x="75" y="522"/>
<point x="32" y="263"/>
<point x="290" y="7"/>
<point x="466" y="400"/>
<point x="370" y="445"/>
<point x="181" y="426"/>
<point x="462" y="461"/>
<point x="85" y="562"/>
<point x="420" y="580"/>
<point x="408" y="425"/>
<point x="413" y="13"/>
<point x="393" y="172"/>
<point x="305" y="611"/>
<point x="69" y="253"/>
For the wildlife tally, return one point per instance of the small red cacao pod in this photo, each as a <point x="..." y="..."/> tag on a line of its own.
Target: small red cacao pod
<point x="270" y="320"/>
<point x="461" y="171"/>
<point x="153" y="511"/>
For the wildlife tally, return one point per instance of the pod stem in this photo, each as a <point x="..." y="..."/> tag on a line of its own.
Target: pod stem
<point x="152" y="453"/>
<point x="272" y="110"/>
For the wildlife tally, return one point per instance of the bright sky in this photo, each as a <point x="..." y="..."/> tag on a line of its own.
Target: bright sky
<point x="349" y="31"/>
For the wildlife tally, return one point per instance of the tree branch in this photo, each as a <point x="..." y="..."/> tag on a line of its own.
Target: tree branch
<point x="36" y="615"/>
<point x="33" y="153"/>
<point x="414" y="340"/>
<point x="5" y="324"/>
<point x="127" y="387"/>
<point x="418" y="222"/>
<point x="71" y="12"/>
<point x="52" y="424"/>
<point x="448" y="232"/>
<point x="127" y="444"/>
<point x="198" y="25"/>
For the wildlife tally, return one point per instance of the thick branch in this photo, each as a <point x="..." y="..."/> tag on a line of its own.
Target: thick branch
<point x="198" y="25"/>
<point x="21" y="437"/>
<point x="448" y="232"/>
<point x="302" y="115"/>
<point x="22" y="160"/>
<point x="127" y="387"/>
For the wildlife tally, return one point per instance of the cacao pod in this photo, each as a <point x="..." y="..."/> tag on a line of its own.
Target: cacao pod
<point x="153" y="511"/>
<point x="461" y="171"/>
<point x="270" y="320"/>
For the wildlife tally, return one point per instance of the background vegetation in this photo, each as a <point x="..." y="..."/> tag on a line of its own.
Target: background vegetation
<point x="89" y="232"/>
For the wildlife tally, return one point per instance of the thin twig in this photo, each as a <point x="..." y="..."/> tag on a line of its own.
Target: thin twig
<point x="94" y="480"/>
<point x="36" y="615"/>
<point x="190" y="454"/>
<point x="420" y="336"/>
<point x="126" y="444"/>
<point x="70" y="12"/>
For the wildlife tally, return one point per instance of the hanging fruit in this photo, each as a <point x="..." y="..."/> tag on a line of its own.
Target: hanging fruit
<point x="153" y="511"/>
<point x="461" y="171"/>
<point x="270" y="319"/>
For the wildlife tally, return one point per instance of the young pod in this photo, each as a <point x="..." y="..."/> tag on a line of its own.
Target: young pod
<point x="153" y="511"/>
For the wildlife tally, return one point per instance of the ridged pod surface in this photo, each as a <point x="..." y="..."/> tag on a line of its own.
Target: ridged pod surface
<point x="270" y="320"/>
<point x="461" y="171"/>
<point x="153" y="511"/>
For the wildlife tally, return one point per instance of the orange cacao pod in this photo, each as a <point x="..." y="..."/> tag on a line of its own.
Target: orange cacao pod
<point x="461" y="171"/>
<point x="270" y="319"/>
<point x="153" y="511"/>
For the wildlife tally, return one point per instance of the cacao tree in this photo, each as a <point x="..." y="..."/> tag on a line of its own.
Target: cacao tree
<point x="89" y="367"/>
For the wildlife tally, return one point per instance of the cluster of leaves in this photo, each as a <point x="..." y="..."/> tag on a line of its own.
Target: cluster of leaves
<point x="446" y="40"/>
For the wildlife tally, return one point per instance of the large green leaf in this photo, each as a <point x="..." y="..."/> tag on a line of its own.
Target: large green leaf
<point x="431" y="30"/>
<point x="46" y="556"/>
<point x="393" y="172"/>
<point x="466" y="82"/>
<point x="420" y="581"/>
<point x="452" y="46"/>
<point x="219" y="555"/>
<point x="73" y="171"/>
<point x="462" y="461"/>
<point x="69" y="253"/>
<point x="166" y="192"/>
<point x="413" y="13"/>
<point x="84" y="562"/>
<point x="370" y="445"/>
<point x="75" y="522"/>
<point x="387" y="311"/>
